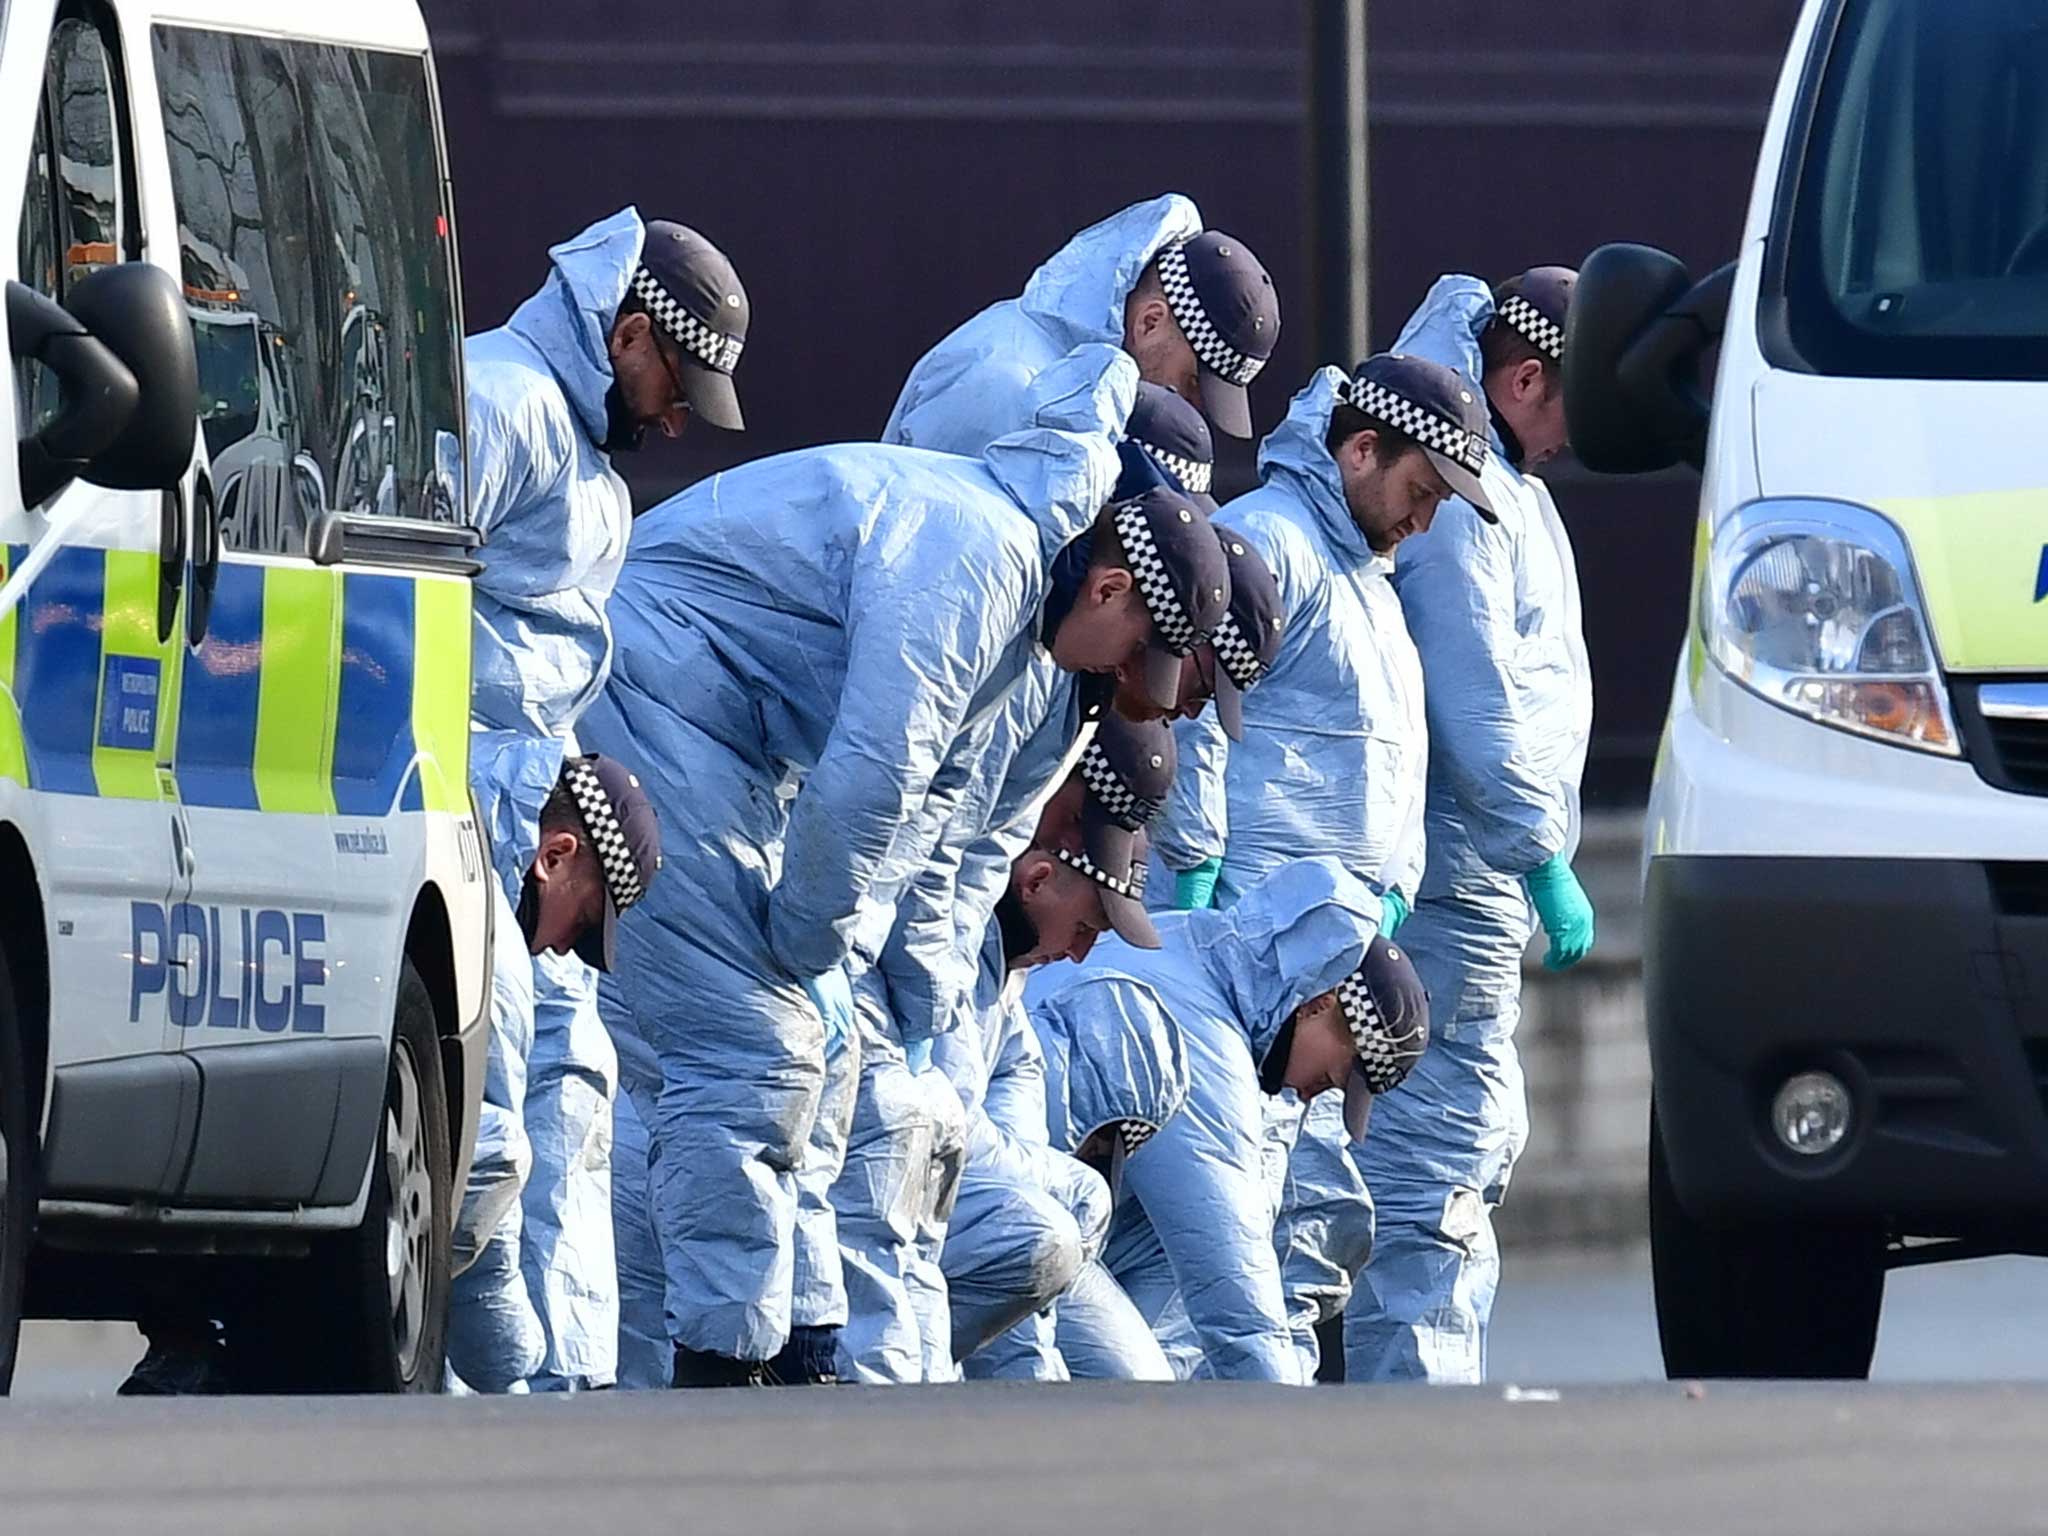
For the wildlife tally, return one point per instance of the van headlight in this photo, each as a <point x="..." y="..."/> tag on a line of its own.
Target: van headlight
<point x="1813" y="606"/>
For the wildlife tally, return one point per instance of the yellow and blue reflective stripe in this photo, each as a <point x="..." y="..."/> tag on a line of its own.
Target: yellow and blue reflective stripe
<point x="1979" y="559"/>
<point x="373" y="756"/>
<point x="315" y="691"/>
<point x="137" y="680"/>
<point x="57" y="670"/>
<point x="295" y="692"/>
<point x="440" y="695"/>
<point x="216" y="758"/>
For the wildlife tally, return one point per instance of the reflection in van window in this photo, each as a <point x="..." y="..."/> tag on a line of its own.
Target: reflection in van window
<point x="88" y="174"/>
<point x="1919" y="244"/>
<point x="314" y="241"/>
<point x="36" y="261"/>
<point x="71" y="207"/>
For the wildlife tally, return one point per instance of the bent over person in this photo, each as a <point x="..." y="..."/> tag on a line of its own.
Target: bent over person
<point x="639" y="325"/>
<point x="1194" y="309"/>
<point x="600" y="850"/>
<point x="1494" y="609"/>
<point x="808" y="646"/>
<point x="1333" y="760"/>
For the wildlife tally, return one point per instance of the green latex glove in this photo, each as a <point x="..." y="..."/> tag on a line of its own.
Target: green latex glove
<point x="1566" y="914"/>
<point x="1393" y="913"/>
<point x="1196" y="888"/>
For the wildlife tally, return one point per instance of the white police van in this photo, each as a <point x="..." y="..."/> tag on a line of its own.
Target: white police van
<point x="1847" y="845"/>
<point x="243" y="910"/>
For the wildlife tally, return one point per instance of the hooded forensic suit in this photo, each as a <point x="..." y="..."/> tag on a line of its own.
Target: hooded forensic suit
<point x="809" y="648"/>
<point x="1494" y="611"/>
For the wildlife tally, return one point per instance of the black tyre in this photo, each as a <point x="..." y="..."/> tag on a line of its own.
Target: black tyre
<point x="17" y="1176"/>
<point x="1760" y="1300"/>
<point x="368" y="1309"/>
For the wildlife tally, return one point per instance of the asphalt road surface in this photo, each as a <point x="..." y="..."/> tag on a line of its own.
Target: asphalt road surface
<point x="991" y="1460"/>
<point x="1555" y="1453"/>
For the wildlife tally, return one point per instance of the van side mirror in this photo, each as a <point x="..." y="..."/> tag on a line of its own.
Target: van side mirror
<point x="97" y="392"/>
<point x="1638" y="328"/>
<point x="128" y="382"/>
<point x="139" y="313"/>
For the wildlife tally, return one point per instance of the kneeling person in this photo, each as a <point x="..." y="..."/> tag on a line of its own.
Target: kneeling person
<point x="1291" y="988"/>
<point x="600" y="847"/>
<point x="1028" y="1217"/>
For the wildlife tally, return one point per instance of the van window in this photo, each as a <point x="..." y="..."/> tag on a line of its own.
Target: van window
<point x="313" y="233"/>
<point x="1918" y="240"/>
<point x="71" y="209"/>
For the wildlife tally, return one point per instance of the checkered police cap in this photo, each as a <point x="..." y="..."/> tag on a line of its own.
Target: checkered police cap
<point x="713" y="348"/>
<point x="1234" y="653"/>
<point x="1438" y="433"/>
<point x="1132" y="887"/>
<point x="1383" y="1056"/>
<point x="1533" y="326"/>
<point x="1112" y="791"/>
<point x="1216" y="354"/>
<point x="601" y="821"/>
<point x="1193" y="475"/>
<point x="1141" y="554"/>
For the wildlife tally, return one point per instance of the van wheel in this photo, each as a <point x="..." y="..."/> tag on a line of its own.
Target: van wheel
<point x="1760" y="1300"/>
<point x="17" y="1176"/>
<point x="369" y="1308"/>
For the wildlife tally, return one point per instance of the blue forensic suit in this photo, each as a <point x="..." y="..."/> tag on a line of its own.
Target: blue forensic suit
<point x="555" y="517"/>
<point x="805" y="647"/>
<point x="916" y="1130"/>
<point x="1195" y="1217"/>
<point x="494" y="1336"/>
<point x="646" y="1358"/>
<point x="1027" y="1217"/>
<point x="1334" y="762"/>
<point x="1494" y="609"/>
<point x="975" y="385"/>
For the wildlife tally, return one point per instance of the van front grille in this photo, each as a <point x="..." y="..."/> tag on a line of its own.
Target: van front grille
<point x="2009" y="752"/>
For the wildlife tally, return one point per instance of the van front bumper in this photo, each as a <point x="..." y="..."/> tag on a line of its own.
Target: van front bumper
<point x="1921" y="983"/>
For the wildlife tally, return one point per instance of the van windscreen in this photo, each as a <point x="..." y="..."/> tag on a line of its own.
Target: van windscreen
<point x="1917" y="239"/>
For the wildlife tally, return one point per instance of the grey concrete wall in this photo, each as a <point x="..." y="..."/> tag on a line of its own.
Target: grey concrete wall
<point x="1581" y="1181"/>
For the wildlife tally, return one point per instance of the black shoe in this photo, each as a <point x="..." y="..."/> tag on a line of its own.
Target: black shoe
<point x="701" y="1368"/>
<point x="809" y="1359"/>
<point x="178" y="1368"/>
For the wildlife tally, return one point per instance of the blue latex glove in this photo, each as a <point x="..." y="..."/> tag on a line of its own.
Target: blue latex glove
<point x="1566" y="914"/>
<point x="917" y="1054"/>
<point x="1393" y="913"/>
<point x="1194" y="889"/>
<point x="832" y="995"/>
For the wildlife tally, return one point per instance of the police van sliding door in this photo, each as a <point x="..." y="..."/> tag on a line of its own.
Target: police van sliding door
<point x="316" y="262"/>
<point x="89" y="661"/>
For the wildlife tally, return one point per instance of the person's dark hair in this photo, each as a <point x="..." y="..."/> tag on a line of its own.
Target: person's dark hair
<point x="631" y="304"/>
<point x="1502" y="346"/>
<point x="561" y="813"/>
<point x="1105" y="546"/>
<point x="1389" y="443"/>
